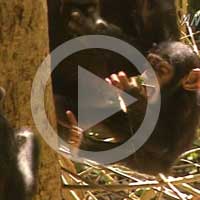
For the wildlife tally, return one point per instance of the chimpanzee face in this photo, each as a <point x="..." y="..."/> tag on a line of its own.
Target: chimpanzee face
<point x="174" y="64"/>
<point x="163" y="69"/>
<point x="176" y="67"/>
<point x="81" y="17"/>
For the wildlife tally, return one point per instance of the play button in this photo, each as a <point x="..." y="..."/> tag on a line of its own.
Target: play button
<point x="97" y="100"/>
<point x="89" y="95"/>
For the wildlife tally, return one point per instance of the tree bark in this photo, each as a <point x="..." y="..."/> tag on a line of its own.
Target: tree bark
<point x="23" y="45"/>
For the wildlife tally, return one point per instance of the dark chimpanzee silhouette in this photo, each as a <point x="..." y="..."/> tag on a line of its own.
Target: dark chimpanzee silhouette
<point x="71" y="18"/>
<point x="18" y="162"/>
<point x="141" y="25"/>
<point x="150" y="22"/>
<point x="82" y="18"/>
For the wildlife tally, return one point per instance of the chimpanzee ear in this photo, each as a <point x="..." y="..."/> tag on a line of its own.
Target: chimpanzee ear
<point x="192" y="81"/>
<point x="2" y="94"/>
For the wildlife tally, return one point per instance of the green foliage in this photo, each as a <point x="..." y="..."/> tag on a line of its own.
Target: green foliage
<point x="193" y="156"/>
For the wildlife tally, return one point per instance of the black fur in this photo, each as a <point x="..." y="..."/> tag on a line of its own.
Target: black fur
<point x="18" y="163"/>
<point x="149" y="22"/>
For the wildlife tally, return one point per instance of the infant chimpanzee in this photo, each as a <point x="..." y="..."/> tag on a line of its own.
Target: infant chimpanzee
<point x="177" y="70"/>
<point x="176" y="67"/>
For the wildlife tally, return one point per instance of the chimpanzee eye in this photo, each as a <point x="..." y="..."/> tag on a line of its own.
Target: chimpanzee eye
<point x="154" y="59"/>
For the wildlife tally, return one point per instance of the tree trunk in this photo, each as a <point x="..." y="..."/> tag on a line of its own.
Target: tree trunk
<point x="23" y="45"/>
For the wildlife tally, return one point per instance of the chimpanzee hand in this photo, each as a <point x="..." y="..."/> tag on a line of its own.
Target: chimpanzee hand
<point x="76" y="133"/>
<point x="124" y="83"/>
